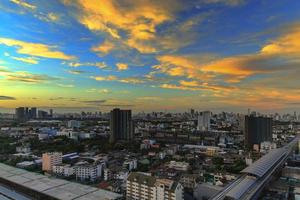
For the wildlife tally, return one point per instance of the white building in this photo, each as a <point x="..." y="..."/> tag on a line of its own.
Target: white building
<point x="50" y="159"/>
<point x="68" y="133"/>
<point x="86" y="171"/>
<point x="143" y="186"/>
<point x="23" y="149"/>
<point x="130" y="164"/>
<point x="204" y="121"/>
<point x="162" y="155"/>
<point x="180" y="166"/>
<point x="63" y="170"/>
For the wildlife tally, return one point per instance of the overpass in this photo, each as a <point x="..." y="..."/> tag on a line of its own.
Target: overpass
<point x="255" y="177"/>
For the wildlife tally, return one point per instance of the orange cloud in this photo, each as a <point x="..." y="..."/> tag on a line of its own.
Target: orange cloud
<point x="35" y="49"/>
<point x="287" y="44"/>
<point x="138" y="20"/>
<point x="104" y="78"/>
<point x="122" y="66"/>
<point x="104" y="48"/>
<point x="279" y="54"/>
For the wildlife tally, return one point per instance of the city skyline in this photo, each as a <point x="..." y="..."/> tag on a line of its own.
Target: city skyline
<point x="150" y="55"/>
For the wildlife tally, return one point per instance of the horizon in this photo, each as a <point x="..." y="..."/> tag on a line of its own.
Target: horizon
<point x="74" y="110"/>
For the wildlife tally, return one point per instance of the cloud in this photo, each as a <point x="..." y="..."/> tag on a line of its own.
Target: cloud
<point x="104" y="78"/>
<point x="122" y="66"/>
<point x="288" y="44"/>
<point x="197" y="86"/>
<point x="48" y="17"/>
<point x="7" y="98"/>
<point x="104" y="48"/>
<point x="94" y="90"/>
<point x="94" y="102"/>
<point x="149" y="98"/>
<point x="30" y="60"/>
<point x="132" y="80"/>
<point x="100" y="65"/>
<point x="24" y="4"/>
<point x="65" y="85"/>
<point x="227" y="2"/>
<point x="36" y="49"/>
<point x="133" y="23"/>
<point x="26" y="77"/>
<point x="76" y="72"/>
<point x="279" y="55"/>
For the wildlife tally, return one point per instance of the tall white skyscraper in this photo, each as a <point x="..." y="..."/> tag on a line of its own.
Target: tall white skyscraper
<point x="204" y="121"/>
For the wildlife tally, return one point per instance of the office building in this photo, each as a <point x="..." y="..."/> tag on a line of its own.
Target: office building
<point x="143" y="186"/>
<point x="204" y="121"/>
<point x="257" y="130"/>
<point x="121" y="126"/>
<point x="50" y="159"/>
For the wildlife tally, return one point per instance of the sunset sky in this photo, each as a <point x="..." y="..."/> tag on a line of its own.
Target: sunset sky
<point x="150" y="54"/>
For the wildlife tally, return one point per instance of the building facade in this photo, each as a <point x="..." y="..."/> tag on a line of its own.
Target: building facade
<point x="143" y="187"/>
<point x="257" y="130"/>
<point x="121" y="126"/>
<point x="204" y="121"/>
<point x="50" y="159"/>
<point x="89" y="172"/>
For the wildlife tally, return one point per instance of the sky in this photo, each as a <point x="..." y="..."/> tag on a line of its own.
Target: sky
<point x="150" y="55"/>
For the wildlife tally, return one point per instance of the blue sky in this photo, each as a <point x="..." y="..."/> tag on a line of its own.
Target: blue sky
<point x="150" y="55"/>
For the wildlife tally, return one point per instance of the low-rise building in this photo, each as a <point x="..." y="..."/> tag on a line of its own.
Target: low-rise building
<point x="188" y="180"/>
<point x="180" y="166"/>
<point x="63" y="170"/>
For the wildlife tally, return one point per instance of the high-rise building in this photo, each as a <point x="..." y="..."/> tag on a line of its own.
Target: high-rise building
<point x="25" y="113"/>
<point x="257" y="130"/>
<point x="50" y="159"/>
<point x="51" y="113"/>
<point x="143" y="186"/>
<point x="121" y="126"/>
<point x="20" y="113"/>
<point x="33" y="113"/>
<point x="42" y="114"/>
<point x="204" y="121"/>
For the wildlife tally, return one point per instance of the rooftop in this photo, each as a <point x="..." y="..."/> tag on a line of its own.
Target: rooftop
<point x="57" y="188"/>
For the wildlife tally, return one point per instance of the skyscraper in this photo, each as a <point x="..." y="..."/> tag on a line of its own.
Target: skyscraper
<point x="257" y="130"/>
<point x="204" y="121"/>
<point x="33" y="113"/>
<point x="120" y="125"/>
<point x="20" y="113"/>
<point x="25" y="113"/>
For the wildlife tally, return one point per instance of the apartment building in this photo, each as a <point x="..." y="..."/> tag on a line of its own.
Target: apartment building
<point x="142" y="186"/>
<point x="63" y="170"/>
<point x="86" y="171"/>
<point x="50" y="159"/>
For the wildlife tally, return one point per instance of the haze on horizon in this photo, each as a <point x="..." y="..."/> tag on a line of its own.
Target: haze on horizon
<point x="150" y="54"/>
